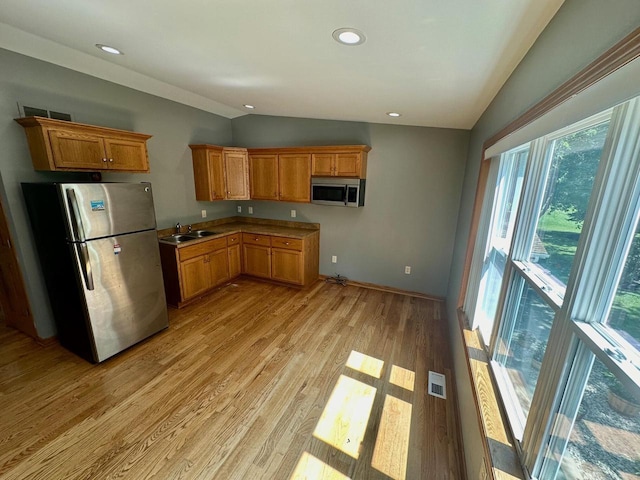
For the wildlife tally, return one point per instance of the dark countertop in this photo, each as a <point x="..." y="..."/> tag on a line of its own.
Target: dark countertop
<point x="226" y="226"/>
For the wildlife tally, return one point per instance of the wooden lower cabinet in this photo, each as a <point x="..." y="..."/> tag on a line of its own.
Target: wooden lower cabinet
<point x="195" y="277"/>
<point x="192" y="270"/>
<point x="287" y="266"/>
<point x="235" y="255"/>
<point x="285" y="259"/>
<point x="257" y="260"/>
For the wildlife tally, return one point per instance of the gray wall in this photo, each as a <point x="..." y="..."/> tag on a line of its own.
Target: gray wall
<point x="98" y="102"/>
<point x="577" y="35"/>
<point x="414" y="177"/>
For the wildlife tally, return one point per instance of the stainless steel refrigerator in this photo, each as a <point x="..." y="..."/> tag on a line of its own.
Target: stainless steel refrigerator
<point x="99" y="255"/>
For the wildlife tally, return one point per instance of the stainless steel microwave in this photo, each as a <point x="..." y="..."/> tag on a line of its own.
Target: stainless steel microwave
<point x="342" y="192"/>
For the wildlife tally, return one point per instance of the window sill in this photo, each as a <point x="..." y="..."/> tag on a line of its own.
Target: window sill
<point x="499" y="447"/>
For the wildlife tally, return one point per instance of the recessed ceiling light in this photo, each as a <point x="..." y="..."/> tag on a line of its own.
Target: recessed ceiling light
<point x="393" y="114"/>
<point x="108" y="49"/>
<point x="250" y="107"/>
<point x="349" y="36"/>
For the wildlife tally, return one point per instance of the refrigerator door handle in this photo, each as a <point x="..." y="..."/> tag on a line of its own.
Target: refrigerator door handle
<point x="85" y="264"/>
<point x="76" y="220"/>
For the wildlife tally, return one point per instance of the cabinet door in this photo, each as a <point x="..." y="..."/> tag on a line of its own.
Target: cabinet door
<point x="236" y="166"/>
<point x="264" y="177"/>
<point x="322" y="164"/>
<point x="219" y="266"/>
<point x="294" y="173"/>
<point x="347" y="165"/>
<point x="235" y="261"/>
<point x="257" y="260"/>
<point x="127" y="155"/>
<point x="287" y="266"/>
<point x="195" y="276"/>
<point x="213" y="175"/>
<point x="78" y="151"/>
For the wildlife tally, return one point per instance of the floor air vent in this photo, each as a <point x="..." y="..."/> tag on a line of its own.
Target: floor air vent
<point x="437" y="385"/>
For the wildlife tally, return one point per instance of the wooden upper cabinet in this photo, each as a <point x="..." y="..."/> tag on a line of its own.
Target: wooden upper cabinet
<point x="236" y="165"/>
<point x="69" y="146"/>
<point x="76" y="150"/>
<point x="294" y="172"/>
<point x="208" y="174"/>
<point x="340" y="164"/>
<point x="214" y="176"/>
<point x="220" y="173"/>
<point x="322" y="164"/>
<point x="263" y="174"/>
<point x="349" y="165"/>
<point x="126" y="155"/>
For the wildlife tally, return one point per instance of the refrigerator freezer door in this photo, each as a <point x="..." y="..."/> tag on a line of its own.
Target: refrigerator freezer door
<point x="127" y="303"/>
<point x="96" y="210"/>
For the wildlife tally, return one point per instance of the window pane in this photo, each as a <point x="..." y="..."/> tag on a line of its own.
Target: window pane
<point x="509" y="186"/>
<point x="522" y="344"/>
<point x="574" y="162"/>
<point x="605" y="440"/>
<point x="625" y="312"/>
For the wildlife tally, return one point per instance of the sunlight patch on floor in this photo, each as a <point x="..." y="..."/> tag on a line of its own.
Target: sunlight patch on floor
<point x="392" y="445"/>
<point x="344" y="419"/>
<point x="402" y="377"/>
<point x="311" y="468"/>
<point x="365" y="364"/>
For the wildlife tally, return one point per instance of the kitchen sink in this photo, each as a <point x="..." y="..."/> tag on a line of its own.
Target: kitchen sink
<point x="201" y="233"/>
<point x="176" y="238"/>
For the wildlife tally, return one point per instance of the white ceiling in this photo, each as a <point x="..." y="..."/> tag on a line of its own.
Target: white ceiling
<point x="439" y="63"/>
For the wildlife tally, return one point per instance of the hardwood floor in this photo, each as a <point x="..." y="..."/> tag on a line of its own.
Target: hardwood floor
<point x="253" y="381"/>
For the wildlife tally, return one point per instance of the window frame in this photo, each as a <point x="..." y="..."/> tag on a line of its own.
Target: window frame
<point x="570" y="333"/>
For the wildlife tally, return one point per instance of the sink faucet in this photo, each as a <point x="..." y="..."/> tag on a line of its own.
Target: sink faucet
<point x="178" y="227"/>
<point x="188" y="228"/>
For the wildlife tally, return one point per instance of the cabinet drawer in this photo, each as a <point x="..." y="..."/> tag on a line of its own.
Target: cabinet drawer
<point x="202" y="248"/>
<point x="233" y="239"/>
<point x="286" y="242"/>
<point x="255" y="239"/>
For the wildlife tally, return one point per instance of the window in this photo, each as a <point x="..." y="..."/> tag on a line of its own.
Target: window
<point x="500" y="225"/>
<point x="556" y="295"/>
<point x="599" y="436"/>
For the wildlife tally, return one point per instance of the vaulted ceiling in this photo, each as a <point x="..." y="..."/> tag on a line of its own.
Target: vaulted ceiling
<point x="437" y="63"/>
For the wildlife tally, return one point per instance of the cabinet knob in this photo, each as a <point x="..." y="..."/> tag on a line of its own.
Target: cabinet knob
<point x="111" y="159"/>
<point x="104" y="159"/>
<point x="286" y="243"/>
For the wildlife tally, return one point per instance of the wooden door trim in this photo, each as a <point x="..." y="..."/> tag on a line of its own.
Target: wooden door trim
<point x="28" y="325"/>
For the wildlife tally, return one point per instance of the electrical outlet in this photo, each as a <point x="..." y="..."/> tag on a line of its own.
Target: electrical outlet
<point x="334" y="259"/>
<point x="293" y="214"/>
<point x="407" y="270"/>
<point x="204" y="214"/>
<point x="239" y="209"/>
<point x="250" y="209"/>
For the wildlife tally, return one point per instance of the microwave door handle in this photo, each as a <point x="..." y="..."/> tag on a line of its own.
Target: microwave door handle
<point x="346" y="195"/>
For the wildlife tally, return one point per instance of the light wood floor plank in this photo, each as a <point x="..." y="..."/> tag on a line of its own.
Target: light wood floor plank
<point x="235" y="388"/>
